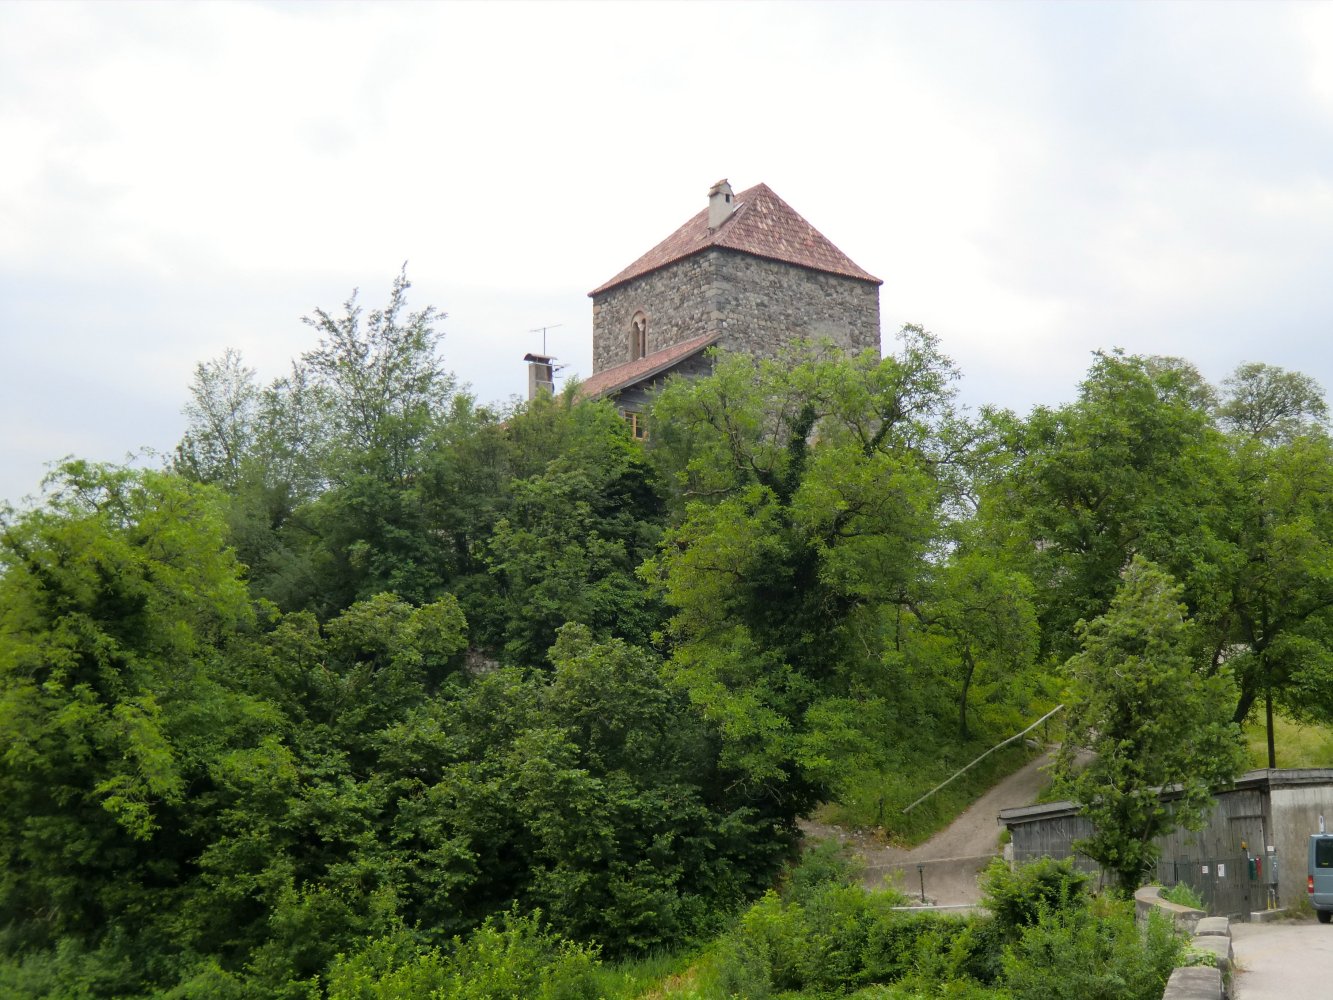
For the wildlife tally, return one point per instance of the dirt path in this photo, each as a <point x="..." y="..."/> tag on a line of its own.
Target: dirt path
<point x="952" y="858"/>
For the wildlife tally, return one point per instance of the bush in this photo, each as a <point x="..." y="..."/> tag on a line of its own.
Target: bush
<point x="1096" y="953"/>
<point x="818" y="945"/>
<point x="67" y="970"/>
<point x="844" y="938"/>
<point x="1017" y="897"/>
<point x="900" y="944"/>
<point x="741" y="968"/>
<point x="514" y="958"/>
<point x="823" y="864"/>
<point x="957" y="989"/>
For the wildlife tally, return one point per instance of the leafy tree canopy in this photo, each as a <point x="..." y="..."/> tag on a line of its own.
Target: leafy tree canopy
<point x="1154" y="720"/>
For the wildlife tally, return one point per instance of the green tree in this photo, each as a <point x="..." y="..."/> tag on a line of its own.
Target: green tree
<point x="320" y="836"/>
<point x="1153" y="716"/>
<point x="382" y="383"/>
<point x="570" y="541"/>
<point x="377" y="394"/>
<point x="259" y="446"/>
<point x="1276" y="630"/>
<point x="222" y="420"/>
<point x="116" y="597"/>
<point x="809" y="492"/>
<point x="1140" y="464"/>
<point x="1269" y="404"/>
<point x="1134" y="466"/>
<point x="594" y="792"/>
<point x="332" y="470"/>
<point x="1278" y="634"/>
<point x="985" y="615"/>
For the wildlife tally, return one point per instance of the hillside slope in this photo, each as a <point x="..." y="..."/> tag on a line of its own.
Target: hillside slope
<point x="952" y="858"/>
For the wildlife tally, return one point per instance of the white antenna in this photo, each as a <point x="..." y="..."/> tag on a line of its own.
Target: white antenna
<point x="542" y="330"/>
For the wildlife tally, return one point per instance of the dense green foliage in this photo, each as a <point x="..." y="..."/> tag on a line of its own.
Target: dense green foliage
<point x="379" y="692"/>
<point x="1154" y="721"/>
<point x="1019" y="897"/>
<point x="1229" y="494"/>
<point x="822" y="936"/>
<point x="812" y="617"/>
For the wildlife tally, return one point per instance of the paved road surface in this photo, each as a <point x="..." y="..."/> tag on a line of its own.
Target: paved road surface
<point x="1283" y="960"/>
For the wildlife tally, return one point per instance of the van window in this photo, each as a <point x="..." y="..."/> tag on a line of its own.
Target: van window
<point x="1323" y="853"/>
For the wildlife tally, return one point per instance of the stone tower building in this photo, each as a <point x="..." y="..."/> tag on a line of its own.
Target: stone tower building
<point x="746" y="274"/>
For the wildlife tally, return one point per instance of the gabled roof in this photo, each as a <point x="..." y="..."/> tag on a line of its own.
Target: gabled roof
<point x="762" y="224"/>
<point x="622" y="376"/>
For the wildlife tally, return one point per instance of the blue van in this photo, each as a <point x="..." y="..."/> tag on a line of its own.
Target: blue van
<point x="1319" y="880"/>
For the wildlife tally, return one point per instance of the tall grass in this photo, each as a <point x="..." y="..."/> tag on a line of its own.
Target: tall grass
<point x="1297" y="744"/>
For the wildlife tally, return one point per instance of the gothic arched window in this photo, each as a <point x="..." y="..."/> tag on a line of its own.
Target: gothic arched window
<point x="638" y="336"/>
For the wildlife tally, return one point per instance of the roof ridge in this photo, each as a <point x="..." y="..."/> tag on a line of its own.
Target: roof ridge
<point x="786" y="237"/>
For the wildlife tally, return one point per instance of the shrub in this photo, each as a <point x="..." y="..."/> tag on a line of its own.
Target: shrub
<point x="741" y="968"/>
<point x="1095" y="953"/>
<point x="514" y="958"/>
<point x="1017" y="897"/>
<point x="67" y="970"/>
<point x="895" y="946"/>
<point x="819" y="945"/>
<point x="844" y="938"/>
<point x="957" y="989"/>
<point x="840" y="937"/>
<point x="824" y="864"/>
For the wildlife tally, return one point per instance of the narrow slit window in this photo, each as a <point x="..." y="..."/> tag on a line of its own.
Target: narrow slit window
<point x="638" y="336"/>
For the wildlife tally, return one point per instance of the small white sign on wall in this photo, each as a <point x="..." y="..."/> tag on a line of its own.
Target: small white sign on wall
<point x="1205" y="869"/>
<point x="1221" y="871"/>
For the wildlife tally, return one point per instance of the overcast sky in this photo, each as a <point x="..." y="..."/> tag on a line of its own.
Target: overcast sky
<point x="1033" y="182"/>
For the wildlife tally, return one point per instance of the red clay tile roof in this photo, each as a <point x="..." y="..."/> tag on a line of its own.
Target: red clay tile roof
<point x="614" y="379"/>
<point x="762" y="224"/>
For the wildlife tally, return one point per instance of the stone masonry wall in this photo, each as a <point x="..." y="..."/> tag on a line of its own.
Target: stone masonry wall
<point x="676" y="300"/>
<point x="765" y="305"/>
<point x="757" y="305"/>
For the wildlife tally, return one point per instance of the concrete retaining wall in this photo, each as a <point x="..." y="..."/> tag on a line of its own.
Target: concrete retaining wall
<point x="1211" y="936"/>
<point x="1198" y="982"/>
<point x="1149" y="898"/>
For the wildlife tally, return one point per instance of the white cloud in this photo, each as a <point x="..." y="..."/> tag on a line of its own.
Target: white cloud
<point x="1033" y="182"/>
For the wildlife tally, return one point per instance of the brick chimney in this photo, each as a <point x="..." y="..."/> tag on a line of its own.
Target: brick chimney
<point x="720" y="204"/>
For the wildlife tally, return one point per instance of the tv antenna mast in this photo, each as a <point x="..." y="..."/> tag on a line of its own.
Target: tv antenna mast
<point x="542" y="330"/>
